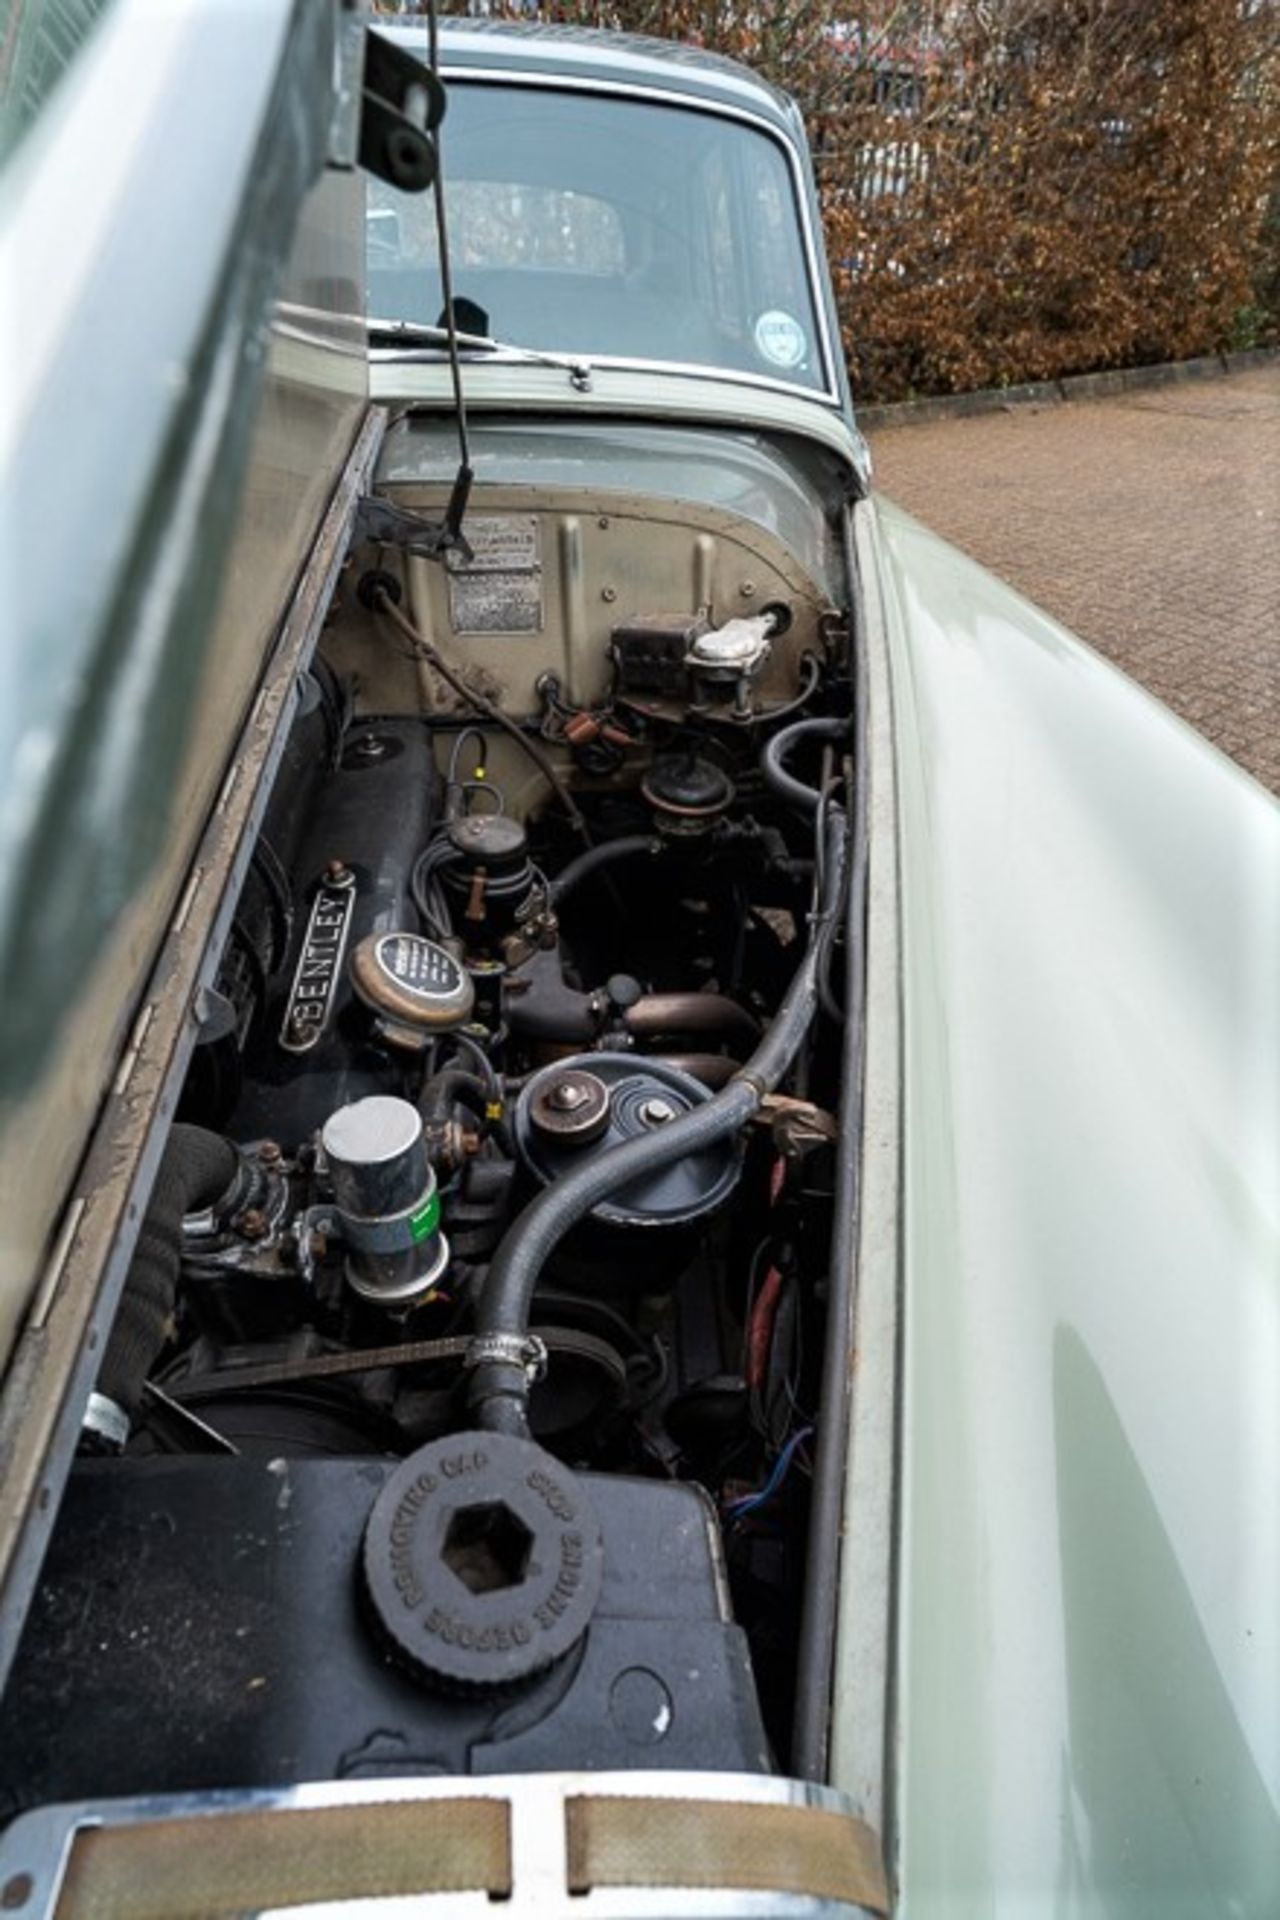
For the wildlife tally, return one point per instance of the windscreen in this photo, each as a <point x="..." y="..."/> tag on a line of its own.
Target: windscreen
<point x="609" y="227"/>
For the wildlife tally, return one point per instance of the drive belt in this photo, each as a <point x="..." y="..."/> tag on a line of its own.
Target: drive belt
<point x="565" y="1341"/>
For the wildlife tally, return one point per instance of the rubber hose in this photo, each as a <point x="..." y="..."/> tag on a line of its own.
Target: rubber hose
<point x="624" y="848"/>
<point x="715" y="1070"/>
<point x="499" y="1388"/>
<point x="471" y="1049"/>
<point x="453" y="1085"/>
<point x="776" y="750"/>
<point x="198" y="1168"/>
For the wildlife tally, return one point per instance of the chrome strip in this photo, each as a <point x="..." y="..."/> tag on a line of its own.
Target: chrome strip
<point x="38" y="1845"/>
<point x="559" y="83"/>
<point x="602" y="362"/>
<point x="861" y="1750"/>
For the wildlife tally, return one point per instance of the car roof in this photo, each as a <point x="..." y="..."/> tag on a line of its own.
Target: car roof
<point x="588" y="54"/>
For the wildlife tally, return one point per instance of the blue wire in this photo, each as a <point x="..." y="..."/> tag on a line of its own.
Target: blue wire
<point x="748" y="1502"/>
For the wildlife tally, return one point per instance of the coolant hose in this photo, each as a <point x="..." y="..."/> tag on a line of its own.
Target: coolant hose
<point x="500" y="1379"/>
<point x="456" y="1086"/>
<point x="198" y="1168"/>
<point x="626" y="847"/>
<point x="776" y="750"/>
<point x="450" y="1085"/>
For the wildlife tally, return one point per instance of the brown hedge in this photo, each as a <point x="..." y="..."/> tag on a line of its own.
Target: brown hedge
<point x="1021" y="189"/>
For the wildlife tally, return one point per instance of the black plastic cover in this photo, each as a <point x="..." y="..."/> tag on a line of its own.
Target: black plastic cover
<point x="650" y="652"/>
<point x="200" y="1623"/>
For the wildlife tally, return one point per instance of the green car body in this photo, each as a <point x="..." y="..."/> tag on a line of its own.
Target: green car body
<point x="1086" y="1706"/>
<point x="1057" y="1661"/>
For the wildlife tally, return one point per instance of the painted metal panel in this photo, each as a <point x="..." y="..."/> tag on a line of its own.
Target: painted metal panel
<point x="38" y="43"/>
<point x="191" y="379"/>
<point x="788" y="490"/>
<point x="631" y="393"/>
<point x="1088" y="1672"/>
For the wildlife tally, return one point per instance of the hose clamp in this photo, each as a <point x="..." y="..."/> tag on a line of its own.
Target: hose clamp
<point x="523" y="1350"/>
<point x="757" y="1082"/>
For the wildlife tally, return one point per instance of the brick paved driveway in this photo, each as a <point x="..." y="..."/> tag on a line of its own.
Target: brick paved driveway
<point x="1148" y="522"/>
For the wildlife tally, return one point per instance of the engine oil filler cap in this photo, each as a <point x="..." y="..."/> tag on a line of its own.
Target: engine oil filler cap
<point x="413" y="982"/>
<point x="482" y="1562"/>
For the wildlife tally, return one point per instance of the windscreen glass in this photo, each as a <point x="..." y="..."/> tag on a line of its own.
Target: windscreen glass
<point x="608" y="227"/>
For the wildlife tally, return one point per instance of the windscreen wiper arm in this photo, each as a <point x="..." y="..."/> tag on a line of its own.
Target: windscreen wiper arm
<point x="416" y="333"/>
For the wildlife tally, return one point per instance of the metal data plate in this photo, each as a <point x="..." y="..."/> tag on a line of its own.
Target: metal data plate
<point x="499" y="590"/>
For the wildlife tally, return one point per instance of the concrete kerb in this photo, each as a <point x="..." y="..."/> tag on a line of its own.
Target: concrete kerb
<point x="1056" y="393"/>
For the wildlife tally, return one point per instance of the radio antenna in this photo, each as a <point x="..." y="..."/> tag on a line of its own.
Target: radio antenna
<point x="461" y="493"/>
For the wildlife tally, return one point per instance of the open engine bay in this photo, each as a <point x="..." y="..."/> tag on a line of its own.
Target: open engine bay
<point x="461" y="1409"/>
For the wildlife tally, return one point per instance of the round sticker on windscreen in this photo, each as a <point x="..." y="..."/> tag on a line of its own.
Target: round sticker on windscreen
<point x="780" y="338"/>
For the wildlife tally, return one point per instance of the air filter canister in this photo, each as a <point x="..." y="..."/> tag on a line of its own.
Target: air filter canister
<point x="593" y="1102"/>
<point x="385" y="1199"/>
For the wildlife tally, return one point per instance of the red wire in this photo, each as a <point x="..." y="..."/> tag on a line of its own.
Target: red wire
<point x="760" y="1328"/>
<point x="764" y="1308"/>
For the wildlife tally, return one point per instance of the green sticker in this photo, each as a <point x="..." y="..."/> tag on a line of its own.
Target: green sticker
<point x="426" y="1219"/>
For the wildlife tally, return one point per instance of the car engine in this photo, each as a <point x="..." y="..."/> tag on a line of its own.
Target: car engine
<point x="459" y="1412"/>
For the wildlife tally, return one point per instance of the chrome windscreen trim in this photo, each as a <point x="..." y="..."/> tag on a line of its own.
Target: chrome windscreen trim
<point x="702" y="370"/>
